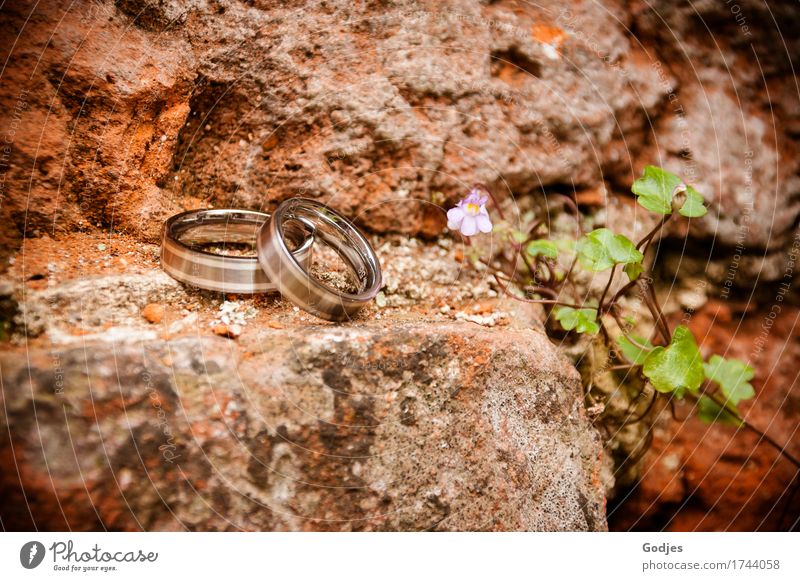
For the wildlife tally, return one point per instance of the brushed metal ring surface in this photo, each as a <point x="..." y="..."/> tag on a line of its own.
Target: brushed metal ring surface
<point x="292" y="277"/>
<point x="183" y="258"/>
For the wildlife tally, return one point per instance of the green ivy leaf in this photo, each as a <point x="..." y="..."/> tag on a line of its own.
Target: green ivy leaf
<point x="709" y="411"/>
<point x="694" y="206"/>
<point x="601" y="249"/>
<point x="733" y="377"/>
<point x="581" y="320"/>
<point x="633" y="352"/>
<point x="677" y="367"/>
<point x="656" y="187"/>
<point x="633" y="270"/>
<point x="546" y="248"/>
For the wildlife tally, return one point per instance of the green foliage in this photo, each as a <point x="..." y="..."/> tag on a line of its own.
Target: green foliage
<point x="677" y="367"/>
<point x="694" y="206"/>
<point x="633" y="270"/>
<point x="656" y="189"/>
<point x="581" y="320"/>
<point x="546" y="248"/>
<point x="636" y="352"/>
<point x="601" y="249"/>
<point x="709" y="411"/>
<point x="732" y="376"/>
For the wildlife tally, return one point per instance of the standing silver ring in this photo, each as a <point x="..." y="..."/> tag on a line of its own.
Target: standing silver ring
<point x="293" y="278"/>
<point x="186" y="235"/>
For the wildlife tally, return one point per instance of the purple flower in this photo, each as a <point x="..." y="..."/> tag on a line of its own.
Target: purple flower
<point x="470" y="215"/>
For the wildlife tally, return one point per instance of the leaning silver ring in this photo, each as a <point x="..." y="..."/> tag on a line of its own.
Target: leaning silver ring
<point x="292" y="276"/>
<point x="184" y="258"/>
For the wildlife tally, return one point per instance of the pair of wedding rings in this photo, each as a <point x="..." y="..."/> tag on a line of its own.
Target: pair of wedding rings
<point x="285" y="243"/>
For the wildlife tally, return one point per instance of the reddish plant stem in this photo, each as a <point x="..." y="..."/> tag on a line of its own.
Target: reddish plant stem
<point x="622" y="327"/>
<point x="525" y="259"/>
<point x="541" y="290"/>
<point x="647" y="410"/>
<point x="659" y="313"/>
<point x="531" y="229"/>
<point x="568" y="275"/>
<point x="620" y="293"/>
<point x="649" y="236"/>
<point x="656" y="313"/>
<point x="573" y="205"/>
<point x="747" y="425"/>
<point x="605" y="290"/>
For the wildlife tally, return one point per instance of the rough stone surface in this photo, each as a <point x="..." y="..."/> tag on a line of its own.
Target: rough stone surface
<point x="130" y="109"/>
<point x="424" y="426"/>
<point x="412" y="417"/>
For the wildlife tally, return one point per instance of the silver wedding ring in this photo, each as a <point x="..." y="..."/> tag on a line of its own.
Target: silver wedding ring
<point x="284" y="244"/>
<point x="292" y="277"/>
<point x="186" y="257"/>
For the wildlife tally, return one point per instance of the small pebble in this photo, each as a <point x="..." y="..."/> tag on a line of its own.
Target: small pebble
<point x="153" y="313"/>
<point x="229" y="331"/>
<point x="101" y="247"/>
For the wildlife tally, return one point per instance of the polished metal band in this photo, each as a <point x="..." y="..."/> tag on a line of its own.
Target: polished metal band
<point x="292" y="277"/>
<point x="183" y="258"/>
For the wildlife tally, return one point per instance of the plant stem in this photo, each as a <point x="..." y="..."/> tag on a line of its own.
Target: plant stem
<point x="655" y="311"/>
<point x="661" y="316"/>
<point x="643" y="415"/>
<point x="762" y="435"/>
<point x="605" y="290"/>
<point x="573" y="205"/>
<point x="531" y="229"/>
<point x="649" y="236"/>
<point x="569" y="272"/>
<point x="524" y="255"/>
<point x="542" y="290"/>
<point x="620" y="293"/>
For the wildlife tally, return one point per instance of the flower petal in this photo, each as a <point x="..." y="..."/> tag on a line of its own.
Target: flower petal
<point x="484" y="223"/>
<point x="454" y="218"/>
<point x="475" y="197"/>
<point x="469" y="227"/>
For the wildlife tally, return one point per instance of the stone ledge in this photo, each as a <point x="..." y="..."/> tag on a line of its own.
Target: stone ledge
<point x="407" y="426"/>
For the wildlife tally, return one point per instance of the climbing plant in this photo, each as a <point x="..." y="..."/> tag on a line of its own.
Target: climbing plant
<point x="532" y="267"/>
